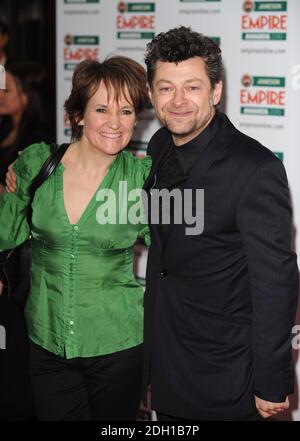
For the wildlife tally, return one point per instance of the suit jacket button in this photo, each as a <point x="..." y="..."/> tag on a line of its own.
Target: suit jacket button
<point x="164" y="273"/>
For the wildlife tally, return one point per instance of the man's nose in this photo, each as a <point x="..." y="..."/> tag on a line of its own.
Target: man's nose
<point x="179" y="97"/>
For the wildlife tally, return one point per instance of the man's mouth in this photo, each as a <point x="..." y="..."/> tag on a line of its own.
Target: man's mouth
<point x="181" y="114"/>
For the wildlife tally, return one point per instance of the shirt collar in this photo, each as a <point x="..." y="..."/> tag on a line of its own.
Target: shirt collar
<point x="189" y="153"/>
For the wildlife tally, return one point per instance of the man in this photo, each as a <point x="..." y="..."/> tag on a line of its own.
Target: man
<point x="220" y="305"/>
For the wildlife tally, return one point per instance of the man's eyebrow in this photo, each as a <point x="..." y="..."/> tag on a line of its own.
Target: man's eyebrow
<point x="191" y="80"/>
<point x="162" y="80"/>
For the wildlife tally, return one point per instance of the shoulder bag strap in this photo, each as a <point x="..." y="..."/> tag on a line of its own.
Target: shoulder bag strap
<point x="46" y="170"/>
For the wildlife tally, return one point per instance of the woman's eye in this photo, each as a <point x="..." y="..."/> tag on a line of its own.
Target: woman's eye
<point x="127" y="112"/>
<point x="101" y="110"/>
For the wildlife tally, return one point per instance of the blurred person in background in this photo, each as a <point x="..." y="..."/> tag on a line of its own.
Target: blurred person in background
<point x="3" y="43"/>
<point x="22" y="112"/>
<point x="21" y="124"/>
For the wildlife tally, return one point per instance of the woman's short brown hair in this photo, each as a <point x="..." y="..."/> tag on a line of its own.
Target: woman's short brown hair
<point x="116" y="73"/>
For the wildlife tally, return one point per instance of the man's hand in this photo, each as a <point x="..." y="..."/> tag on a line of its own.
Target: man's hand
<point x="1" y="287"/>
<point x="11" y="180"/>
<point x="267" y="409"/>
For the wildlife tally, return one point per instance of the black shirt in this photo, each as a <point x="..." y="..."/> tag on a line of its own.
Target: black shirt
<point x="175" y="169"/>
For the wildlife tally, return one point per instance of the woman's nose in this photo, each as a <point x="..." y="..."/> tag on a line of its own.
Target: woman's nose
<point x="114" y="121"/>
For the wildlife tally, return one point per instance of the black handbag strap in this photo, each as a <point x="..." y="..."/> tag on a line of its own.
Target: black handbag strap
<point x="46" y="170"/>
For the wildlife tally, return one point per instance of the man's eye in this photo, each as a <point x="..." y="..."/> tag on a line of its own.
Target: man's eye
<point x="165" y="89"/>
<point x="193" y="88"/>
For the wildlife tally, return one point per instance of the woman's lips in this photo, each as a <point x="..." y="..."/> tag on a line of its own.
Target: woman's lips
<point x="112" y="136"/>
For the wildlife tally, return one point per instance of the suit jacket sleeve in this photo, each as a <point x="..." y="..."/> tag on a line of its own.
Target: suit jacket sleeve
<point x="264" y="220"/>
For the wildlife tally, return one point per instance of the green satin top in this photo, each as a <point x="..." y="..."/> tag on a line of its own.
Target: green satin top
<point x="84" y="299"/>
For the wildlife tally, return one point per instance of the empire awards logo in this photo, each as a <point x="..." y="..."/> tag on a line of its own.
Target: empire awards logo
<point x="84" y="49"/>
<point x="268" y="100"/>
<point x="263" y="20"/>
<point x="81" y="40"/>
<point x="136" y="20"/>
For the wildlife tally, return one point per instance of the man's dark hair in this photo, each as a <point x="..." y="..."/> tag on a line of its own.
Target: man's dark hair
<point x="180" y="44"/>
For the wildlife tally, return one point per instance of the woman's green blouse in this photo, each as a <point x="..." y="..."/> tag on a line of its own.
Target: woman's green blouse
<point x="84" y="299"/>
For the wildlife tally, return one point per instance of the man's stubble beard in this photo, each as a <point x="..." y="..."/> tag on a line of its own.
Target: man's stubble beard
<point x="190" y="128"/>
<point x="180" y="130"/>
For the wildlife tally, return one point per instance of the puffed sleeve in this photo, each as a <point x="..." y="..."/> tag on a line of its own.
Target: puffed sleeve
<point x="14" y="229"/>
<point x="145" y="167"/>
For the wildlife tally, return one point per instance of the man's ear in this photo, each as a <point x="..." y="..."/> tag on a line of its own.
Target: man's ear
<point x="150" y="94"/>
<point x="217" y="93"/>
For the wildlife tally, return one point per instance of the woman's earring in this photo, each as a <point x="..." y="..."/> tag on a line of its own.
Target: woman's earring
<point x="80" y="123"/>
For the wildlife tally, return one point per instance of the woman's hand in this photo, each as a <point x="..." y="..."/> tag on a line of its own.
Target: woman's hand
<point x="1" y="287"/>
<point x="11" y="180"/>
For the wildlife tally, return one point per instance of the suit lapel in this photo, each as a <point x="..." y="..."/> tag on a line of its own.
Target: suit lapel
<point x="151" y="181"/>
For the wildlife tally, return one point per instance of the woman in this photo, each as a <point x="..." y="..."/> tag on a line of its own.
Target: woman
<point x="22" y="119"/>
<point x="84" y="311"/>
